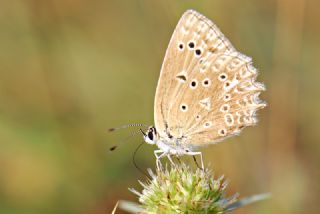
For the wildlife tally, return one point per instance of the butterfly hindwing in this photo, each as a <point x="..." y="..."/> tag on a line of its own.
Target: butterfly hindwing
<point x="228" y="105"/>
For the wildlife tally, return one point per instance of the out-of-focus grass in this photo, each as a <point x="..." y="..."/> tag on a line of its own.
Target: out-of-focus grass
<point x="69" y="70"/>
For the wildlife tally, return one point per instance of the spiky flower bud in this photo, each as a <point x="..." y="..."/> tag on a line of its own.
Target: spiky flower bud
<point x="180" y="189"/>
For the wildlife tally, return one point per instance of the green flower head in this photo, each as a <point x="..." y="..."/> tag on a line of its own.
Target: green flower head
<point x="183" y="190"/>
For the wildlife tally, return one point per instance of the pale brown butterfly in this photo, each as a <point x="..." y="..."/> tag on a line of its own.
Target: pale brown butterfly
<point x="207" y="90"/>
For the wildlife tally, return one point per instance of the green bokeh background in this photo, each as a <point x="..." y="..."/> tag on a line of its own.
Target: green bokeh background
<point x="71" y="69"/>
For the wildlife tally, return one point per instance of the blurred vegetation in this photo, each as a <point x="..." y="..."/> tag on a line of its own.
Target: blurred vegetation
<point x="70" y="69"/>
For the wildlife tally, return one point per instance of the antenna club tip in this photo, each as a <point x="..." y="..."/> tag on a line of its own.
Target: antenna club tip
<point x="111" y="129"/>
<point x="113" y="148"/>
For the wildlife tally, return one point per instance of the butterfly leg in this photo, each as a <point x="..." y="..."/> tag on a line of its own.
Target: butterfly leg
<point x="170" y="159"/>
<point x="158" y="157"/>
<point x="197" y="153"/>
<point x="196" y="162"/>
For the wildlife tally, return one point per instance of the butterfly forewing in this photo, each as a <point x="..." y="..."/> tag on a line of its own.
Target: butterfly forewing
<point x="178" y="62"/>
<point x="206" y="90"/>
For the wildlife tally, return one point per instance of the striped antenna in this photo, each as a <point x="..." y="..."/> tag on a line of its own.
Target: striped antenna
<point x="127" y="126"/>
<point x="114" y="147"/>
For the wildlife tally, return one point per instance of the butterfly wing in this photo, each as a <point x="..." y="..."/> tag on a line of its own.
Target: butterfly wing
<point x="227" y="105"/>
<point x="179" y="62"/>
<point x="200" y="69"/>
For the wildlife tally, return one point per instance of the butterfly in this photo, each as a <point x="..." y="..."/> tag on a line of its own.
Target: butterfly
<point x="206" y="92"/>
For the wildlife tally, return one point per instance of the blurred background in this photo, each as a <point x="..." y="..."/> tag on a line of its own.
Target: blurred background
<point x="69" y="70"/>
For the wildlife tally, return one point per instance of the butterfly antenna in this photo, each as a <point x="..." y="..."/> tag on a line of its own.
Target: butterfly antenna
<point x="114" y="147"/>
<point x="126" y="126"/>
<point x="134" y="160"/>
<point x="143" y="133"/>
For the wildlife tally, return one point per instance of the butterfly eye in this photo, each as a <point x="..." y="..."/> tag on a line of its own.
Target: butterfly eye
<point x="193" y="84"/>
<point x="150" y="135"/>
<point x="184" y="107"/>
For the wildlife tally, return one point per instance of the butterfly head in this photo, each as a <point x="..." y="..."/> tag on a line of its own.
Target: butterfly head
<point x="150" y="136"/>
